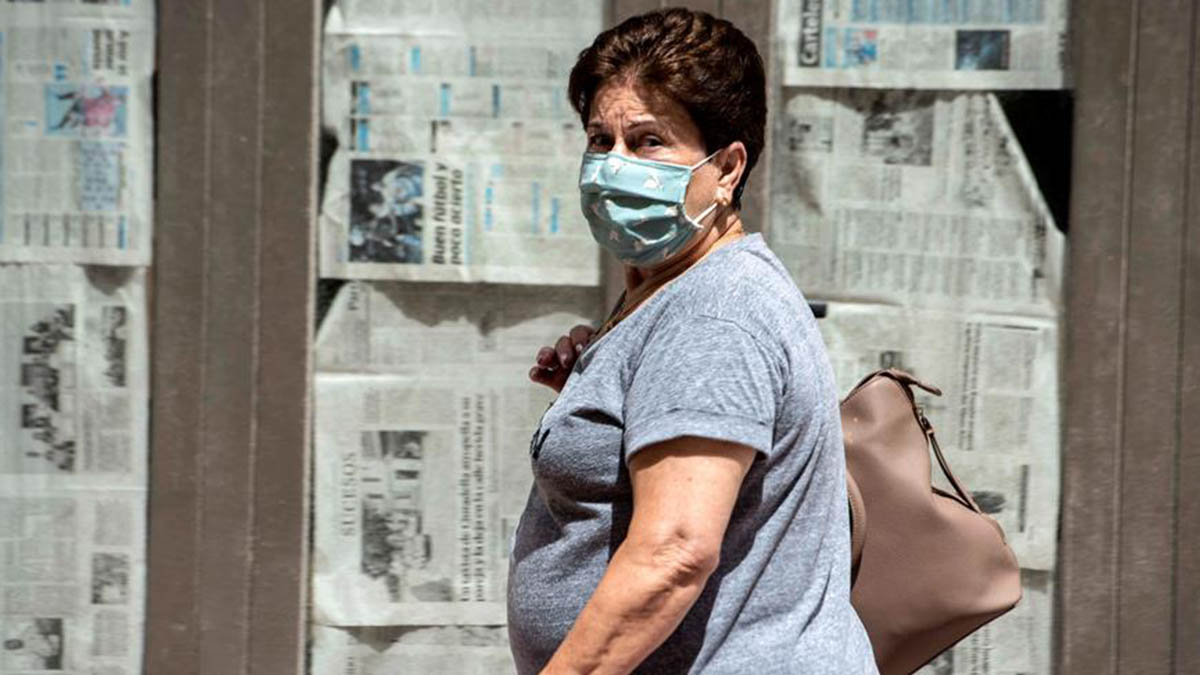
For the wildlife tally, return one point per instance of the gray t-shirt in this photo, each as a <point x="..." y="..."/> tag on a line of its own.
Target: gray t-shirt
<point x="729" y="351"/>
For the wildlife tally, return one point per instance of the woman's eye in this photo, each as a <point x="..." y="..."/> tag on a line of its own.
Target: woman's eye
<point x="598" y="142"/>
<point x="651" y="142"/>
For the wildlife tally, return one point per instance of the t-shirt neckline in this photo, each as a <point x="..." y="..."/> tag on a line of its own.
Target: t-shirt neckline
<point x="727" y="249"/>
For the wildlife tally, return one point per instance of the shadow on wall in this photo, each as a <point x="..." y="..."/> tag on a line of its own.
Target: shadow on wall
<point x="1044" y="123"/>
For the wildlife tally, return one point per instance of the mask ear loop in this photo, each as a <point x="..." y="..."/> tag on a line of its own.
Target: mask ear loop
<point x="704" y="161"/>
<point x="696" y="222"/>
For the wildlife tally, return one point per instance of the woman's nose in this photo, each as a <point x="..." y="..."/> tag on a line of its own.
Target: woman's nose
<point x="619" y="148"/>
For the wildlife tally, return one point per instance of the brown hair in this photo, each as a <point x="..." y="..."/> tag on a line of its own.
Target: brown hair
<point x="706" y="64"/>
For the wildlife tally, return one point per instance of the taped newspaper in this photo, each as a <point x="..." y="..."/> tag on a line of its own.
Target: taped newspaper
<point x="76" y="153"/>
<point x="423" y="416"/>
<point x="72" y="591"/>
<point x="931" y="44"/>
<point x="417" y="496"/>
<point x="73" y="376"/>
<point x="73" y="387"/>
<point x="462" y="650"/>
<point x="997" y="421"/>
<point x="909" y="197"/>
<point x="458" y="152"/>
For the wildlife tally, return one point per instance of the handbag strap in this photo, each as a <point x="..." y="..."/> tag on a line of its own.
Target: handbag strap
<point x="927" y="427"/>
<point x="907" y="381"/>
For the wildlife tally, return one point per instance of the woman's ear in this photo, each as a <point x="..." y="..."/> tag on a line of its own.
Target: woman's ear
<point x="731" y="163"/>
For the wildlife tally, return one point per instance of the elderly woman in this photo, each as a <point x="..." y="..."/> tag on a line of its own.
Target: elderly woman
<point x="689" y="510"/>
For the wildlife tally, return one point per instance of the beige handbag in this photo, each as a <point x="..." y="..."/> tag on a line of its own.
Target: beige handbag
<point x="928" y="567"/>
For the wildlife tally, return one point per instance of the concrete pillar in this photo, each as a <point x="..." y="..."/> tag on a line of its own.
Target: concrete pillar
<point x="1130" y="539"/>
<point x="232" y="328"/>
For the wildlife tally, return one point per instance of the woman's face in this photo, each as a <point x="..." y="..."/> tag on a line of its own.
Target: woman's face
<point x="635" y="121"/>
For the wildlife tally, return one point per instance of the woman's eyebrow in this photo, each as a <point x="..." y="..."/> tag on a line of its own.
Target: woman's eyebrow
<point x="647" y="123"/>
<point x="632" y="126"/>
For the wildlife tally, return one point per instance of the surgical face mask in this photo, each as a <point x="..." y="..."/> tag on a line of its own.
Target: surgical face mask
<point x="635" y="207"/>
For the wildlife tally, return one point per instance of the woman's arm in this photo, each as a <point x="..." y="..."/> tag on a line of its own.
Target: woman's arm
<point x="683" y="494"/>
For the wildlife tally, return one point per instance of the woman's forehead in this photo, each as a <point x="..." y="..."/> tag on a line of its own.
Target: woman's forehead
<point x="625" y="103"/>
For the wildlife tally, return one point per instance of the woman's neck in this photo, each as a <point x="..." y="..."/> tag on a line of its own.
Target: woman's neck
<point x="728" y="228"/>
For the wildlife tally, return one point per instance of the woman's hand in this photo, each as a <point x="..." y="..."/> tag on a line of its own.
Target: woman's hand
<point x="553" y="364"/>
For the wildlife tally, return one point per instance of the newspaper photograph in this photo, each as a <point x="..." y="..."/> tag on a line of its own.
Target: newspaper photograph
<point x="73" y="375"/>
<point x="420" y="483"/>
<point x="72" y="586"/>
<point x="76" y="154"/>
<point x="447" y="329"/>
<point x="1017" y="643"/>
<point x="966" y="44"/>
<point x="458" y="153"/>
<point x="910" y="197"/>
<point x="998" y="418"/>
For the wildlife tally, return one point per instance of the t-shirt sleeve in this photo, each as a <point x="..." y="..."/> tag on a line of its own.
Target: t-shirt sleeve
<point x="705" y="377"/>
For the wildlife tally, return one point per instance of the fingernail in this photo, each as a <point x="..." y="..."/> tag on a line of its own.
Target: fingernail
<point x="578" y="347"/>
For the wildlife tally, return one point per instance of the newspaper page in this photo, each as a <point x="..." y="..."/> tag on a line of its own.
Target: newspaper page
<point x="930" y="44"/>
<point x="911" y="197"/>
<point x="418" y="492"/>
<point x="72" y="586"/>
<point x="997" y="420"/>
<point x="73" y="375"/>
<point x="73" y="390"/>
<point x="458" y="152"/>
<point x="76" y="155"/>
<point x="1017" y="643"/>
<point x="462" y="650"/>
<point x="424" y="412"/>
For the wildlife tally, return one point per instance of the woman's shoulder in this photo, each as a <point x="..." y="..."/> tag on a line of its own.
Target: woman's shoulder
<point x="747" y="286"/>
